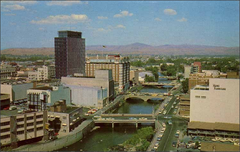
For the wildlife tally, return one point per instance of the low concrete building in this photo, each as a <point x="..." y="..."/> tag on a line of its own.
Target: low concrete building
<point x="184" y="106"/>
<point x="215" y="107"/>
<point x="134" y="76"/>
<point x="42" y="98"/>
<point x="7" y="71"/>
<point x="5" y="101"/>
<point x="65" y="121"/>
<point x="42" y="73"/>
<point x="102" y="79"/>
<point x="17" y="90"/>
<point x="143" y="74"/>
<point x="16" y="128"/>
<point x="89" y="96"/>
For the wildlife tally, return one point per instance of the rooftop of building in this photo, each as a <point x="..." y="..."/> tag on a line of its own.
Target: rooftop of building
<point x="71" y="109"/>
<point x="201" y="87"/>
<point x="14" y="82"/>
<point x="208" y="146"/>
<point x="7" y="113"/>
<point x="185" y="97"/>
<point x="85" y="87"/>
<point x="213" y="126"/>
<point x="5" y="96"/>
<point x="42" y="88"/>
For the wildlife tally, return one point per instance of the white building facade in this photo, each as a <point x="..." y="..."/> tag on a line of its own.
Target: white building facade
<point x="218" y="102"/>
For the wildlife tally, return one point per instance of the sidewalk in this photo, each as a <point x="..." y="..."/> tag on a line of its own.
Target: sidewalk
<point x="154" y="140"/>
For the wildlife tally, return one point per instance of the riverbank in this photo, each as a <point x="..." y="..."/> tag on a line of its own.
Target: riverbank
<point x="64" y="141"/>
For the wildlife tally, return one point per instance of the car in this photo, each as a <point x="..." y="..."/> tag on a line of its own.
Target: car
<point x="160" y="135"/>
<point x="168" y="117"/>
<point x="20" y="111"/>
<point x="12" y="108"/>
<point x="170" y="122"/>
<point x="174" y="143"/>
<point x="6" y="108"/>
<point x="159" y="138"/>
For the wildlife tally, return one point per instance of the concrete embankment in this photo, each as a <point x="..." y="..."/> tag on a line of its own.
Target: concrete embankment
<point x="61" y="142"/>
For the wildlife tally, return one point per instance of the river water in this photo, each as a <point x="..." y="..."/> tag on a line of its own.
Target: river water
<point x="104" y="137"/>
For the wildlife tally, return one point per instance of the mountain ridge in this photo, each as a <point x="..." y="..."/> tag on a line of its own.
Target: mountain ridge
<point x="136" y="48"/>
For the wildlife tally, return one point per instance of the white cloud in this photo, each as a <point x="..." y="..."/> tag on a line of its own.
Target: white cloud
<point x="23" y="2"/>
<point x="102" y="17"/>
<point x="123" y="14"/>
<point x="62" y="19"/>
<point x="65" y="3"/>
<point x="120" y="26"/>
<point x="170" y="12"/>
<point x="182" y="20"/>
<point x="14" y="7"/>
<point x="157" y="19"/>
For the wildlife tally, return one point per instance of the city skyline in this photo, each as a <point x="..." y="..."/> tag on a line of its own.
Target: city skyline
<point x="32" y="24"/>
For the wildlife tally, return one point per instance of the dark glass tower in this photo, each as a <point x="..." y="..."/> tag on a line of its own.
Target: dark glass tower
<point x="69" y="53"/>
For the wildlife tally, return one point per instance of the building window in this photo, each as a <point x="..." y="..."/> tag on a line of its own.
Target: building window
<point x="5" y="123"/>
<point x="39" y="122"/>
<point x="5" y="136"/>
<point x="197" y="96"/>
<point x="39" y="128"/>
<point x="20" y="126"/>
<point x="30" y="124"/>
<point x="203" y="97"/>
<point x="29" y="118"/>
<point x="20" y="119"/>
<point x="5" y="130"/>
<point x="30" y="130"/>
<point x="39" y="116"/>
<point x="20" y="132"/>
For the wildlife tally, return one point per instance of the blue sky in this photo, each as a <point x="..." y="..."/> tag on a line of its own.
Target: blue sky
<point x="33" y="24"/>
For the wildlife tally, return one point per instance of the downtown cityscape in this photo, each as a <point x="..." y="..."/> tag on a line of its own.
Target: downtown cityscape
<point x="119" y="76"/>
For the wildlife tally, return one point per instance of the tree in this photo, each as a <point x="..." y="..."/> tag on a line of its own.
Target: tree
<point x="164" y="67"/>
<point x="149" y="78"/>
<point x="185" y="85"/>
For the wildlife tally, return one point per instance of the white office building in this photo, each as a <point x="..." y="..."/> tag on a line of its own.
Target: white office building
<point x="216" y="103"/>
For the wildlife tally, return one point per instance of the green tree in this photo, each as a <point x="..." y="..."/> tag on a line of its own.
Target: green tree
<point x="185" y="85"/>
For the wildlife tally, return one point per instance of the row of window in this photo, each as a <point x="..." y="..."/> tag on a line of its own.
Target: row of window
<point x="203" y="97"/>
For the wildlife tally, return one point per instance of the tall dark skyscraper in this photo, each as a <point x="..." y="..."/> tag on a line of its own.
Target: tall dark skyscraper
<point x="69" y="53"/>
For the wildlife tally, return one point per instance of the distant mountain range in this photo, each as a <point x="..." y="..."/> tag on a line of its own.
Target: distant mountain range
<point x="136" y="48"/>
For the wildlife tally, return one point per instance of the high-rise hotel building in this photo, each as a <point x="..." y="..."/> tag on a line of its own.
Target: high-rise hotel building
<point x="69" y="53"/>
<point x="120" y="67"/>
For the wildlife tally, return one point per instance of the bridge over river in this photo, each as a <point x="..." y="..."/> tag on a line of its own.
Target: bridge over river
<point x="145" y="97"/>
<point x="125" y="121"/>
<point x="158" y="84"/>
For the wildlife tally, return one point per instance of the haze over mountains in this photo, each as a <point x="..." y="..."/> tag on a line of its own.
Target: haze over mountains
<point x="136" y="48"/>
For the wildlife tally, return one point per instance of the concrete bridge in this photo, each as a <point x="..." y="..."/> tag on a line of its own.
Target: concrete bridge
<point x="119" y="121"/>
<point x="126" y="116"/>
<point x="169" y="77"/>
<point x="158" y="84"/>
<point x="144" y="97"/>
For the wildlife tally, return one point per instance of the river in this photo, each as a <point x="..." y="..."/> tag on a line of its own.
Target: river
<point x="105" y="137"/>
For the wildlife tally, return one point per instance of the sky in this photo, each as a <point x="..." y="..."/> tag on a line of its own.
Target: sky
<point x="32" y="24"/>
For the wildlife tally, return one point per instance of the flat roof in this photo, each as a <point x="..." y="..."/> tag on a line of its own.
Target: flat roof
<point x="210" y="146"/>
<point x="213" y="126"/>
<point x="71" y="109"/>
<point x="8" y="112"/>
<point x="42" y="88"/>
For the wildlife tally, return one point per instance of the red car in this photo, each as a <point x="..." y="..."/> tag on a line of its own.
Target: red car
<point x="7" y="108"/>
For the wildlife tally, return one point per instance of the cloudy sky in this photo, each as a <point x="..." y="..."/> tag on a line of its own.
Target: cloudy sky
<point x="35" y="23"/>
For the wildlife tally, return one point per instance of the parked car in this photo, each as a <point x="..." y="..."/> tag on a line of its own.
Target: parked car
<point x="170" y="122"/>
<point x="13" y="108"/>
<point x="159" y="138"/>
<point x="174" y="144"/>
